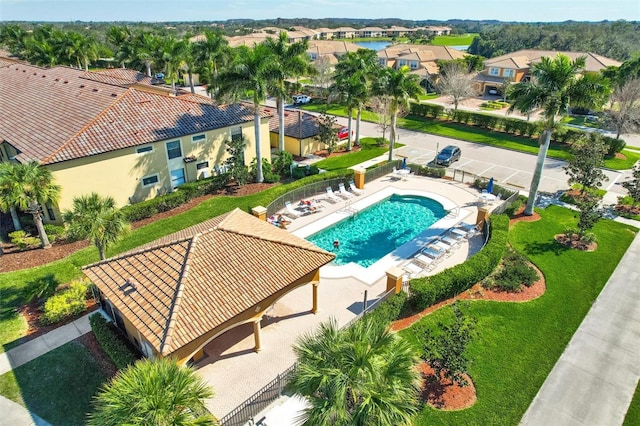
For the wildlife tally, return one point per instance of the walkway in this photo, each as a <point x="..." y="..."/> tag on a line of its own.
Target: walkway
<point x="594" y="380"/>
<point x="14" y="414"/>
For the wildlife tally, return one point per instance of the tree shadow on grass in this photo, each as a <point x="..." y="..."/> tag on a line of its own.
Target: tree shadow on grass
<point x="541" y="247"/>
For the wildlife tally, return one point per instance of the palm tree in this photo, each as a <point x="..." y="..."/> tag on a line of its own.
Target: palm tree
<point x="362" y="375"/>
<point x="252" y="71"/>
<point x="400" y="87"/>
<point x="555" y="85"/>
<point x="123" y="44"/>
<point x="27" y="186"/>
<point x="209" y="54"/>
<point x="5" y="190"/>
<point x="96" y="218"/>
<point x="153" y="392"/>
<point x="292" y="62"/>
<point x="354" y="75"/>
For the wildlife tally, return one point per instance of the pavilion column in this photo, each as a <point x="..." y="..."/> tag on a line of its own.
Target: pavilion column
<point x="256" y="334"/>
<point x="314" y="308"/>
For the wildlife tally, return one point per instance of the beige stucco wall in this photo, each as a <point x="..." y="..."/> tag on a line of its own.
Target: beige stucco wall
<point x="120" y="173"/>
<point x="293" y="145"/>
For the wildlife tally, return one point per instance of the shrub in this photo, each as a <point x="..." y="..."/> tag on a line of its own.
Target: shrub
<point x="450" y="282"/>
<point x="390" y="309"/>
<point x="112" y="342"/>
<point x="515" y="206"/>
<point x="23" y="240"/>
<point x="613" y="145"/>
<point x="54" y="230"/>
<point x="67" y="303"/>
<point x="514" y="273"/>
<point x="437" y="172"/>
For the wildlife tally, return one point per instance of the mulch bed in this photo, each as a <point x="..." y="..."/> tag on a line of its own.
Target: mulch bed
<point x="107" y="366"/>
<point x="443" y="394"/>
<point x="575" y="242"/>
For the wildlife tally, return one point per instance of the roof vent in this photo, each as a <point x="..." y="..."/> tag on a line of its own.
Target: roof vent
<point x="82" y="86"/>
<point x="114" y="95"/>
<point x="66" y="81"/>
<point x="35" y="73"/>
<point x="43" y="76"/>
<point x="129" y="286"/>
<point x="95" y="90"/>
<point x="57" y="79"/>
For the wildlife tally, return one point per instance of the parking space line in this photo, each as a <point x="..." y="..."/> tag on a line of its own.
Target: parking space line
<point x="511" y="175"/>
<point x="464" y="164"/>
<point x="486" y="170"/>
<point x="613" y="182"/>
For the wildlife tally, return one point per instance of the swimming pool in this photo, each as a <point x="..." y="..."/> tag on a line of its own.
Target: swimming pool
<point x="376" y="231"/>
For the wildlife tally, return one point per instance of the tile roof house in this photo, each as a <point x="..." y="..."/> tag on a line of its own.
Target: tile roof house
<point x="300" y="132"/>
<point x="514" y="66"/>
<point x="114" y="132"/>
<point x="178" y="293"/>
<point x="330" y="48"/>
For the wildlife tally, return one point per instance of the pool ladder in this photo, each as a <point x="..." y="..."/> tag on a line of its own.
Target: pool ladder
<point x="348" y="209"/>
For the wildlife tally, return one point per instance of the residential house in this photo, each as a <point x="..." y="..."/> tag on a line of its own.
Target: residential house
<point x="300" y="133"/>
<point x="174" y="296"/>
<point x="114" y="133"/>
<point x="330" y="48"/>
<point x="514" y="67"/>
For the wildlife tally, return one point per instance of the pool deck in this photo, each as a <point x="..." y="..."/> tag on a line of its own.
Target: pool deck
<point x="236" y="372"/>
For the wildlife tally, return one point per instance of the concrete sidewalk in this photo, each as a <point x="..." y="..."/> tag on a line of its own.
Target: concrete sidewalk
<point x="594" y="380"/>
<point x="41" y="345"/>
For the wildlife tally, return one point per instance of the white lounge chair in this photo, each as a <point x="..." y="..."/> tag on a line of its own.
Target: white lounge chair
<point x="354" y="189"/>
<point x="291" y="211"/>
<point x="331" y="196"/>
<point x="342" y="191"/>
<point x="336" y="195"/>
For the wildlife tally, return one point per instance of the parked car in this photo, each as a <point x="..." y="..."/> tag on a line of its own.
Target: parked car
<point x="301" y="99"/>
<point x="448" y="155"/>
<point x="493" y="92"/>
<point x="343" y="133"/>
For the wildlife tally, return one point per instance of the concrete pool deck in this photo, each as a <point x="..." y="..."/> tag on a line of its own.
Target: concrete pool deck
<point x="236" y="372"/>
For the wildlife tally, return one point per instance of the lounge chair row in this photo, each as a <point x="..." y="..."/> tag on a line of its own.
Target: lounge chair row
<point x="342" y="193"/>
<point x="438" y="248"/>
<point x="303" y="209"/>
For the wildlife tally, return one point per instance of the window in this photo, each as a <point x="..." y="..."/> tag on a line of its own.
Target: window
<point x="494" y="71"/>
<point x="413" y="65"/>
<point x="236" y="134"/>
<point x="313" y="56"/>
<point x="173" y="150"/>
<point x="198" y="138"/>
<point x="402" y="62"/>
<point x="382" y="61"/>
<point x="508" y="73"/>
<point x="144" y="149"/>
<point x="150" y="180"/>
<point x="203" y="165"/>
<point x="50" y="212"/>
<point x="177" y="177"/>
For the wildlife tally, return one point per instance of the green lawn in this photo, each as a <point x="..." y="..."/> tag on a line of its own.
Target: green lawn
<point x="519" y="343"/>
<point x="633" y="413"/>
<point x="453" y="40"/>
<point x="369" y="150"/>
<point x="57" y="386"/>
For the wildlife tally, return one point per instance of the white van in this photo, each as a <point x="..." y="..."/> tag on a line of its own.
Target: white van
<point x="301" y="99"/>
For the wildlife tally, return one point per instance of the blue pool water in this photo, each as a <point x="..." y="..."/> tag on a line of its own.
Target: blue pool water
<point x="378" y="230"/>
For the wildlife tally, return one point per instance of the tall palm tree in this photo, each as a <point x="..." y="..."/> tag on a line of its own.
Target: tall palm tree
<point x="555" y="85"/>
<point x="27" y="187"/>
<point x="252" y="71"/>
<point x="153" y="392"/>
<point x="400" y="87"/>
<point x="97" y="219"/>
<point x="354" y="75"/>
<point x="362" y="375"/>
<point x="5" y="190"/>
<point x="292" y="62"/>
<point x="210" y="53"/>
<point x="174" y="52"/>
<point x="122" y="42"/>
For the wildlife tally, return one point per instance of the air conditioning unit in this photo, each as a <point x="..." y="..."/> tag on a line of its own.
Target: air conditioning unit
<point x="205" y="174"/>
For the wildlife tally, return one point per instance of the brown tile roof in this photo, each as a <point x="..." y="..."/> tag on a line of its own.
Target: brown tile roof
<point x="178" y="288"/>
<point x="292" y="120"/>
<point x="118" y="76"/>
<point x="58" y="114"/>
<point x="326" y="47"/>
<point x="594" y="62"/>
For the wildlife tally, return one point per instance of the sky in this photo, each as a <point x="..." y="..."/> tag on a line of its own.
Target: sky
<point x="215" y="10"/>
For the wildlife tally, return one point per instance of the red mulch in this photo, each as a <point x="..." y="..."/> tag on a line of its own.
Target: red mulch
<point x="88" y="340"/>
<point x="14" y="259"/>
<point x="443" y="394"/>
<point x="575" y="242"/>
<point x="634" y="210"/>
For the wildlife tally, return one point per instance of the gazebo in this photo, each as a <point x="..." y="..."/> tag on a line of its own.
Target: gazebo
<point x="178" y="293"/>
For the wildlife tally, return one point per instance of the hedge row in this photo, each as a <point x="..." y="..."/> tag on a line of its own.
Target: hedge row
<point x="390" y="309"/>
<point x="430" y="290"/>
<point x="112" y="342"/>
<point x="513" y="126"/>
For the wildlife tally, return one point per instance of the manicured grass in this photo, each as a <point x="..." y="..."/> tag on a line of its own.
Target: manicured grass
<point x="519" y="343"/>
<point x="57" y="386"/>
<point x="428" y="96"/>
<point x="369" y="150"/>
<point x="631" y="157"/>
<point x="633" y="413"/>
<point x="454" y="40"/>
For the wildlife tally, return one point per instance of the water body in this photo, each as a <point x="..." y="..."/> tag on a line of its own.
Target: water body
<point x="463" y="48"/>
<point x="373" y="45"/>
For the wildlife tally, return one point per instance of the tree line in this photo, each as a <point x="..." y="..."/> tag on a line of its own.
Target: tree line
<point x="616" y="40"/>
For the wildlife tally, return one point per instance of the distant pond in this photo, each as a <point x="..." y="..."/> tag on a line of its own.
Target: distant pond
<point x="373" y="45"/>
